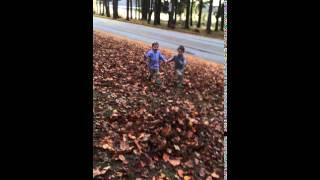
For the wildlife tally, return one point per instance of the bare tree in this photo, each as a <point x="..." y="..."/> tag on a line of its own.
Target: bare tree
<point x="186" y="24"/>
<point x="200" y="13"/>
<point x="115" y="9"/>
<point x="171" y="12"/>
<point x="100" y="2"/>
<point x="157" y="11"/>
<point x="103" y="5"/>
<point x="127" y="10"/>
<point x="145" y="5"/>
<point x="106" y="3"/>
<point x="175" y="11"/>
<point x="222" y="18"/>
<point x="191" y="10"/>
<point x="217" y="16"/>
<point x="150" y="11"/>
<point x="135" y="12"/>
<point x="130" y="9"/>
<point x="209" y="17"/>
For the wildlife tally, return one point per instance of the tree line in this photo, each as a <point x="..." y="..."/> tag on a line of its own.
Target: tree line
<point x="145" y="9"/>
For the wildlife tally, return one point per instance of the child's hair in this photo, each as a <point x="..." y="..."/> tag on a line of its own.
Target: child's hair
<point x="155" y="43"/>
<point x="181" y="48"/>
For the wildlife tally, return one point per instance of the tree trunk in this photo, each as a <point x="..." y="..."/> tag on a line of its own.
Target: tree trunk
<point x="106" y="2"/>
<point x="217" y="16"/>
<point x="103" y="5"/>
<point x="200" y="14"/>
<point x="175" y="11"/>
<point x="115" y="9"/>
<point x="171" y="8"/>
<point x="186" y="24"/>
<point x="127" y="10"/>
<point x="144" y="9"/>
<point x="130" y="9"/>
<point x="191" y="10"/>
<point x="135" y="12"/>
<point x="155" y="8"/>
<point x="222" y="18"/>
<point x="209" y="17"/>
<point x="139" y="10"/>
<point x="100" y="7"/>
<point x="150" y="12"/>
<point x="157" y="11"/>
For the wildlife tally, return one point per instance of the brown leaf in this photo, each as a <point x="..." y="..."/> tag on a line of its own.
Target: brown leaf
<point x="97" y="171"/>
<point x="138" y="145"/>
<point x="180" y="172"/>
<point x="189" y="164"/>
<point x="165" y="157"/>
<point x="123" y="159"/>
<point x="202" y="172"/>
<point x="166" y="131"/>
<point x="196" y="161"/>
<point x="174" y="162"/>
<point x="124" y="146"/>
<point x="215" y="175"/>
<point x="176" y="147"/>
<point x="189" y="134"/>
<point x="131" y="136"/>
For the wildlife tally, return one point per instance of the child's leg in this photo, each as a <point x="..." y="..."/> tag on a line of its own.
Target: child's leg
<point x="179" y="73"/>
<point x="157" y="73"/>
<point x="151" y="73"/>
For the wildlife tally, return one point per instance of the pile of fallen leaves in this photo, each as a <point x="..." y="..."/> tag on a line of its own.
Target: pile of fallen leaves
<point x="144" y="131"/>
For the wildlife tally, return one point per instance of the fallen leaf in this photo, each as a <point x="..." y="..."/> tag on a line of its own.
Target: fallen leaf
<point x="189" y="164"/>
<point x="166" y="131"/>
<point x="174" y="162"/>
<point x="215" y="175"/>
<point x="124" y="146"/>
<point x="165" y="157"/>
<point x="97" y="172"/>
<point x="138" y="145"/>
<point x="196" y="161"/>
<point x="202" y="172"/>
<point x="123" y="159"/>
<point x="131" y="137"/>
<point x="180" y="172"/>
<point x="176" y="147"/>
<point x="107" y="146"/>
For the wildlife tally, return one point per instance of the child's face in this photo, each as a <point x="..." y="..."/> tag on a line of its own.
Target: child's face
<point x="155" y="47"/>
<point x="180" y="52"/>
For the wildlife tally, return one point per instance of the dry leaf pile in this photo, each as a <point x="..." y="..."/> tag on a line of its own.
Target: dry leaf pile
<point x="142" y="131"/>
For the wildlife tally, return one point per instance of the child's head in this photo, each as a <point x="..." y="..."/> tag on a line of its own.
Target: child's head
<point x="180" y="50"/>
<point x="155" y="46"/>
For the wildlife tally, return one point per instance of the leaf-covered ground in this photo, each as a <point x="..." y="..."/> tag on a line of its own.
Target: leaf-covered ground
<point x="142" y="131"/>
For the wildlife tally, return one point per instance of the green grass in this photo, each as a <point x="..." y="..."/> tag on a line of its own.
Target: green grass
<point x="179" y="27"/>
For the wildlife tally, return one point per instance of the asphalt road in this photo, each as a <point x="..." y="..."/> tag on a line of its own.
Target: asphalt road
<point x="203" y="47"/>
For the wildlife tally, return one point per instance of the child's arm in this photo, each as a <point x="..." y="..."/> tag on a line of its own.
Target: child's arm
<point x="146" y="57"/>
<point x="162" y="58"/>
<point x="170" y="59"/>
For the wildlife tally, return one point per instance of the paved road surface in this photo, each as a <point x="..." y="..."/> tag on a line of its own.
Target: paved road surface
<point x="203" y="47"/>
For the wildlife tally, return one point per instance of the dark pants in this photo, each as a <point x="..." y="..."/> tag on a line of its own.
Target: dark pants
<point x="179" y="74"/>
<point x="154" y="72"/>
